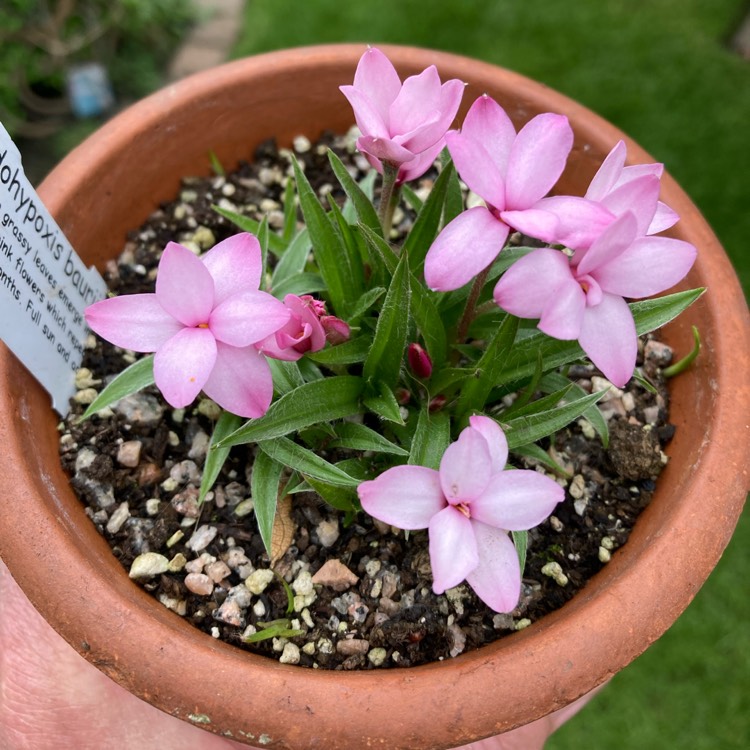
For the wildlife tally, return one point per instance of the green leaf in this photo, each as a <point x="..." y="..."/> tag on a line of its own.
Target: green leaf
<point x="650" y="314"/>
<point x="340" y="498"/>
<point x="365" y="211"/>
<point x="361" y="438"/>
<point x="216" y="165"/>
<point x="686" y="361"/>
<point x="263" y="239"/>
<point x="302" y="283"/>
<point x="293" y="260"/>
<point x="383" y="403"/>
<point x="137" y="376"/>
<point x="556" y="380"/>
<point x="319" y="401"/>
<point x="246" y="224"/>
<point x="309" y="464"/>
<point x="454" y="199"/>
<point x="286" y="375"/>
<point x="529" y="429"/>
<point x="521" y="542"/>
<point x="383" y="363"/>
<point x="290" y="212"/>
<point x="264" y="487"/>
<point x="226" y="424"/>
<point x="426" y="225"/>
<point x="488" y="368"/>
<point x="330" y="254"/>
<point x="431" y="438"/>
<point x="348" y="353"/>
<point x="275" y="629"/>
<point x="532" y="450"/>
<point x="366" y="301"/>
<point x="349" y="235"/>
<point x="412" y="199"/>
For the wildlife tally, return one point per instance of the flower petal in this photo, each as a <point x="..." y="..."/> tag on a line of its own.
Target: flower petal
<point x="184" y="286"/>
<point x="615" y="239"/>
<point x="404" y="496"/>
<point x="608" y="337"/>
<point x="649" y="266"/>
<point x="487" y="123"/>
<point x="664" y="218"/>
<point x="241" y="381"/>
<point x="235" y="265"/>
<point x="183" y="364"/>
<point x="524" y="289"/>
<point x="543" y="225"/>
<point x="378" y="80"/>
<point x="517" y="499"/>
<point x="563" y="312"/>
<point x="411" y="170"/>
<point x="476" y="168"/>
<point x="132" y="321"/>
<point x="639" y="197"/>
<point x="580" y="221"/>
<point x="384" y="149"/>
<point x="370" y="120"/>
<point x="416" y="105"/>
<point x="497" y="443"/>
<point x="608" y="174"/>
<point x="247" y="317"/>
<point x="497" y="577"/>
<point x="537" y="160"/>
<point x="453" y="549"/>
<point x="463" y="249"/>
<point x="465" y="467"/>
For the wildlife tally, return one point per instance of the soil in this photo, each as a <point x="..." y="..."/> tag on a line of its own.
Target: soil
<point x="137" y="468"/>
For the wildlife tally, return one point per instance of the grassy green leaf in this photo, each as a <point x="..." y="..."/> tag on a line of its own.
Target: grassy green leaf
<point x="365" y="211"/>
<point x="329" y="250"/>
<point x="319" y="401"/>
<point x="521" y="542"/>
<point x="350" y="237"/>
<point x="286" y="375"/>
<point x="427" y="223"/>
<point x="216" y="165"/>
<point x="382" y="402"/>
<point x="302" y="283"/>
<point x="263" y="240"/>
<point x="340" y="498"/>
<point x="366" y="301"/>
<point x="309" y="464"/>
<point x="135" y="377"/>
<point x="650" y="314"/>
<point x="532" y="450"/>
<point x="348" y="353"/>
<point x="225" y="425"/>
<point x="275" y="243"/>
<point x="359" y="437"/>
<point x="529" y="429"/>
<point x="290" y="212"/>
<point x="431" y="438"/>
<point x="687" y="360"/>
<point x="454" y="199"/>
<point x="383" y="363"/>
<point x="264" y="487"/>
<point x="293" y="260"/>
<point x="488" y="368"/>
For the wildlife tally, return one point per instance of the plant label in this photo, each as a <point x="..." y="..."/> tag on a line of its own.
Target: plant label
<point x="44" y="285"/>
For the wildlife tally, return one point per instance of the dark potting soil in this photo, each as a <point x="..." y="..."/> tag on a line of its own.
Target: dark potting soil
<point x="137" y="468"/>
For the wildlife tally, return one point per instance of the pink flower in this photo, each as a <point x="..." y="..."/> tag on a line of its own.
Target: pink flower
<point x="512" y="172"/>
<point x="636" y="189"/>
<point x="469" y="506"/>
<point x="401" y="124"/>
<point x="584" y="301"/>
<point x="202" y="322"/>
<point x="419" y="361"/>
<point x="307" y="329"/>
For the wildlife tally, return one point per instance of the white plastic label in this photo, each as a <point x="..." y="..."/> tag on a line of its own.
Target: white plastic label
<point x="44" y="285"/>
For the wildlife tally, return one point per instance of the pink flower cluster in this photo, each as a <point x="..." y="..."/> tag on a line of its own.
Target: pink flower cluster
<point x="210" y="326"/>
<point x="468" y="507"/>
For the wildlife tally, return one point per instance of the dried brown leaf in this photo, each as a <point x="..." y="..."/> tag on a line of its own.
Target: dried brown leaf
<point x="284" y="530"/>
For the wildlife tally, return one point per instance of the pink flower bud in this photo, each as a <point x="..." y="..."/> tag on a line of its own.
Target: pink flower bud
<point x="419" y="361"/>
<point x="337" y="331"/>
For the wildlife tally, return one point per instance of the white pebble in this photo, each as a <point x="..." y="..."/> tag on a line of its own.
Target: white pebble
<point x="129" y="453"/>
<point x="555" y="571"/>
<point x="152" y="506"/>
<point x="148" y="565"/>
<point x="303" y="584"/>
<point x="118" y="518"/>
<point x="199" y="583"/>
<point x="604" y="555"/>
<point x="376" y="656"/>
<point x="290" y="654"/>
<point x="258" y="580"/>
<point x="202" y="537"/>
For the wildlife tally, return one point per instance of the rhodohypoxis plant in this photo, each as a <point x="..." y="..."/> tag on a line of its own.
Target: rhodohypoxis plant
<point x="394" y="374"/>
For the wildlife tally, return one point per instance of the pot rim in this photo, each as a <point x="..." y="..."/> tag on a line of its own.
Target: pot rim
<point x="673" y="548"/>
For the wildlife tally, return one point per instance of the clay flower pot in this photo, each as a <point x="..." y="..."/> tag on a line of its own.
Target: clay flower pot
<point x="109" y="185"/>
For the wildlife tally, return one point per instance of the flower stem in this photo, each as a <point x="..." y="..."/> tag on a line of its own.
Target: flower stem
<point x="471" y="305"/>
<point x="388" y="198"/>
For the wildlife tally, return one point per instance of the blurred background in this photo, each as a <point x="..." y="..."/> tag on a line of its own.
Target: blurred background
<point x="673" y="74"/>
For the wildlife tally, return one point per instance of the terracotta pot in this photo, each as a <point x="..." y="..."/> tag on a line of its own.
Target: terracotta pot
<point x="109" y="185"/>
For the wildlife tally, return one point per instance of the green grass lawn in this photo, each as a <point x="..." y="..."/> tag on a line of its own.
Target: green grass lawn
<point x="660" y="70"/>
